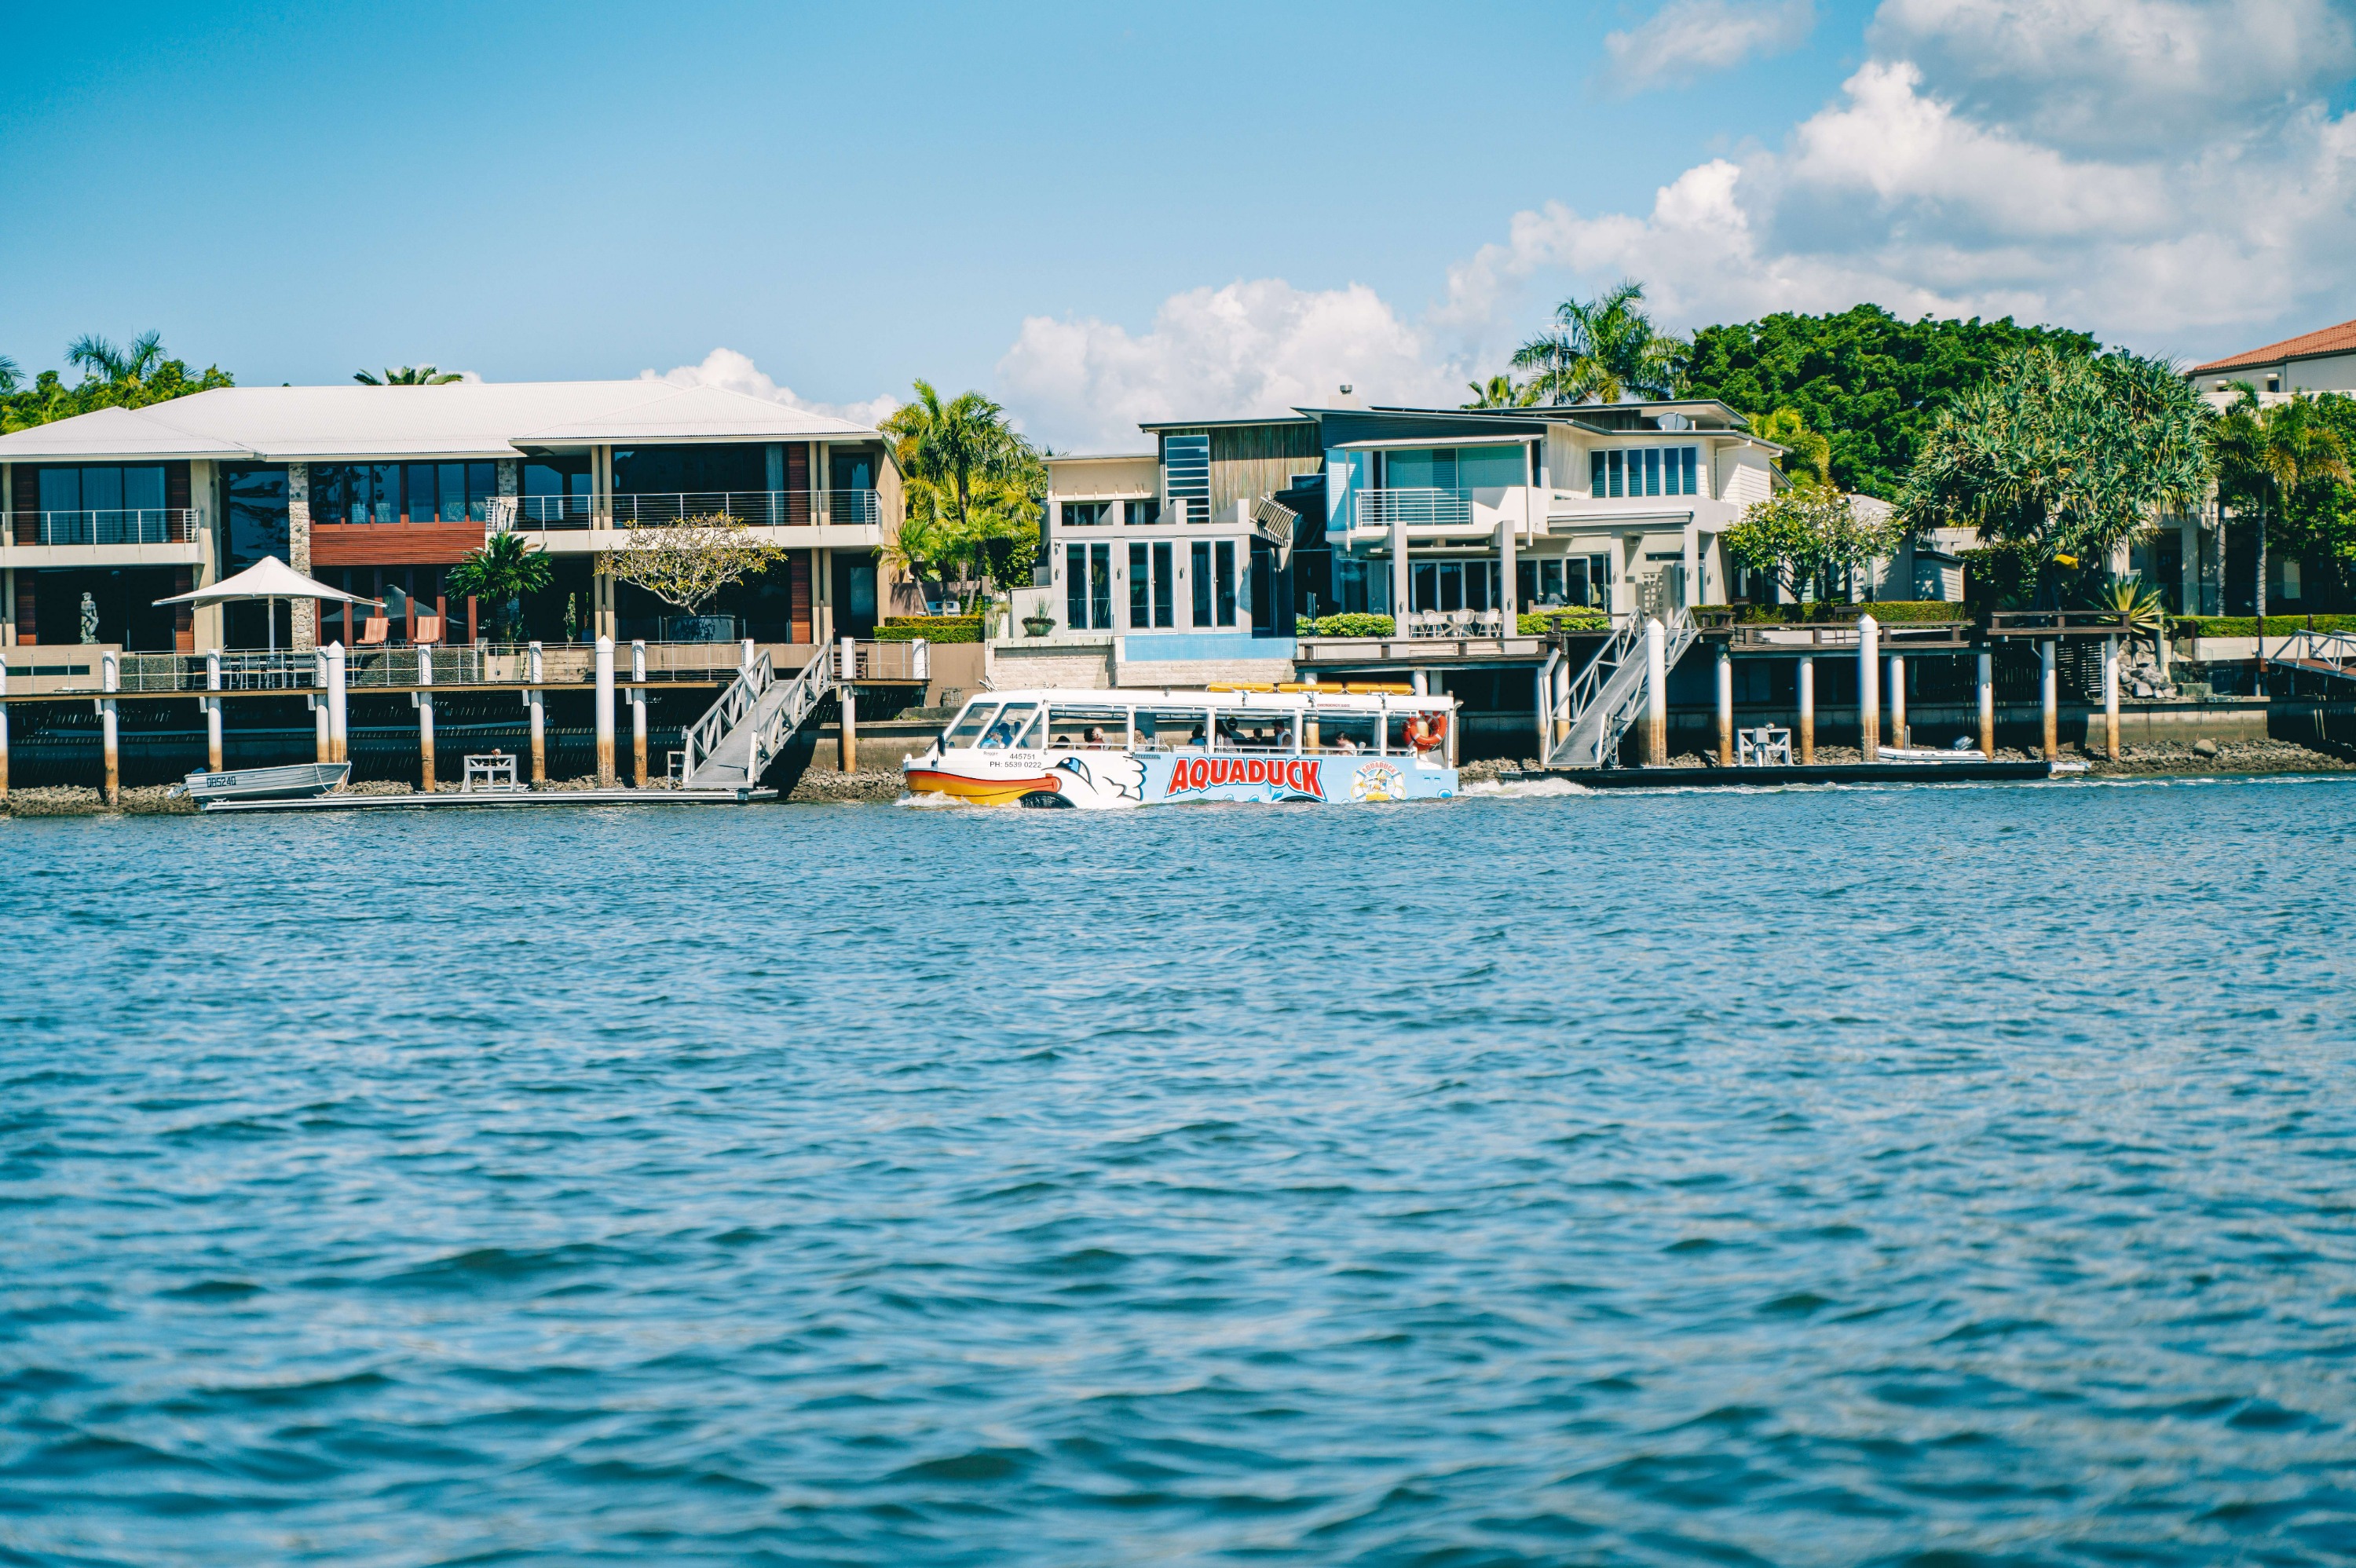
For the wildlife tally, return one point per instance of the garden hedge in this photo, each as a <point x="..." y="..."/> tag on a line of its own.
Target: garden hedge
<point x="930" y="629"/>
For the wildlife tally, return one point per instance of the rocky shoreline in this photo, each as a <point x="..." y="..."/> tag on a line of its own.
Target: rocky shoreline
<point x="2208" y="757"/>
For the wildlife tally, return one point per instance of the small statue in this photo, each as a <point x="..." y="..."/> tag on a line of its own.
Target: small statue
<point x="89" y="618"/>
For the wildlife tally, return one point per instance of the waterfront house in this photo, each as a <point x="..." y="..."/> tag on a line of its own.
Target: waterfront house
<point x="379" y="490"/>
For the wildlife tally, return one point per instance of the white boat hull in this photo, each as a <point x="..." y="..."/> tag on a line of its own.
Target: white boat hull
<point x="294" y="781"/>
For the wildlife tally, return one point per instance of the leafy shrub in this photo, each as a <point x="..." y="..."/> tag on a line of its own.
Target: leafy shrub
<point x="2248" y="626"/>
<point x="1889" y="611"/>
<point x="1538" y="622"/>
<point x="1350" y="625"/>
<point x="930" y="629"/>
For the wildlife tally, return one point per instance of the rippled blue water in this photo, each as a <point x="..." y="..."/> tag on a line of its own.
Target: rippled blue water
<point x="1817" y="1177"/>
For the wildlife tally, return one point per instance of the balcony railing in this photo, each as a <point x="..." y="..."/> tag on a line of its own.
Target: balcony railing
<point x="756" y="508"/>
<point x="1415" y="508"/>
<point x="143" y="525"/>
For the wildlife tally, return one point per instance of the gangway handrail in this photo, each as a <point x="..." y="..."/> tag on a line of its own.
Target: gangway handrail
<point x="728" y="710"/>
<point x="1609" y="689"/>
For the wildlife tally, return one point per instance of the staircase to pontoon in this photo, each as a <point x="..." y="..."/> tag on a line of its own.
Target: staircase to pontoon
<point x="1604" y="699"/>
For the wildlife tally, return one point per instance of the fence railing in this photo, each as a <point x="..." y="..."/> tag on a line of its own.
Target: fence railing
<point x="890" y="661"/>
<point x="756" y="509"/>
<point x="468" y="664"/>
<point x="135" y="525"/>
<point x="1418" y="508"/>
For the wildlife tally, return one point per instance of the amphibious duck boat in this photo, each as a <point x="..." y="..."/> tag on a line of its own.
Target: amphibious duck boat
<point x="1102" y="750"/>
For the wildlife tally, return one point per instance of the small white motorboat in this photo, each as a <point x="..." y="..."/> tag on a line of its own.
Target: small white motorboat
<point x="296" y="781"/>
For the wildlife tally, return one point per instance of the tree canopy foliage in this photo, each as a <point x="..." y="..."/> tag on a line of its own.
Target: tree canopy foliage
<point x="2268" y="458"/>
<point x="2064" y="454"/>
<point x="974" y="487"/>
<point x="1871" y="384"/>
<point x="1809" y="536"/>
<point x="687" y="562"/>
<point x="112" y="377"/>
<point x="1605" y="348"/>
<point x="409" y="376"/>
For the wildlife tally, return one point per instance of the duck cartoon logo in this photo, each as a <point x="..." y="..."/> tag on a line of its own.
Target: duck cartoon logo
<point x="1284" y="778"/>
<point x="1104" y="778"/>
<point x="1377" y="781"/>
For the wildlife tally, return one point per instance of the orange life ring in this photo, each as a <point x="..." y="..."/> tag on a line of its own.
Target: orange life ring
<point x="1427" y="731"/>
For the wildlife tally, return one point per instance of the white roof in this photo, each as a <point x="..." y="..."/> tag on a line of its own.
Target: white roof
<point x="462" y="419"/>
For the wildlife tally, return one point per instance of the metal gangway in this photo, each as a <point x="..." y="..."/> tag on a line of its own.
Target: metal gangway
<point x="2330" y="654"/>
<point x="748" y="728"/>
<point x="1586" y="720"/>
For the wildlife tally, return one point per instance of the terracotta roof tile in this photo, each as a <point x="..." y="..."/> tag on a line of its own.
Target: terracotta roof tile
<point x="2340" y="340"/>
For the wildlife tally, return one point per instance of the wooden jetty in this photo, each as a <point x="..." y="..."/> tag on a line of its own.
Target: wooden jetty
<point x="441" y="799"/>
<point x="1783" y="776"/>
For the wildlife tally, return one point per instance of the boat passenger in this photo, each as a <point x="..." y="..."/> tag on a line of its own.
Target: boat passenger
<point x="1001" y="736"/>
<point x="1344" y="745"/>
<point x="1095" y="735"/>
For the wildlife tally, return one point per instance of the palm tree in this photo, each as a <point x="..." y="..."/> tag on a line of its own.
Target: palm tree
<point x="422" y="376"/>
<point x="1604" y="349"/>
<point x="11" y="375"/>
<point x="1499" y="392"/>
<point x="972" y="477"/>
<point x="1788" y="428"/>
<point x="95" y="356"/>
<point x="502" y="571"/>
<point x="2279" y="449"/>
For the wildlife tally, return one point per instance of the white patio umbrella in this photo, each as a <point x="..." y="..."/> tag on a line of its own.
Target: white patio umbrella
<point x="269" y="579"/>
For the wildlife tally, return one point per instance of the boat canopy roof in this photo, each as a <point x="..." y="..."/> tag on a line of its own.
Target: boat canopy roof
<point x="1297" y="700"/>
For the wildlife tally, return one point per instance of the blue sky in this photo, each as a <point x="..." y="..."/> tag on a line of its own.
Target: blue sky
<point x="1102" y="214"/>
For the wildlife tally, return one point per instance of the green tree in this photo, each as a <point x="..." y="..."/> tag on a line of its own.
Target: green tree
<point x="974" y="487"/>
<point x="1604" y="348"/>
<point x="2062" y="454"/>
<point x="1500" y="392"/>
<point x="2273" y="454"/>
<point x="1810" y="458"/>
<point x="502" y="571"/>
<point x="112" y="377"/>
<point x="419" y="376"/>
<point x="1810" y="537"/>
<point x="1873" y="385"/>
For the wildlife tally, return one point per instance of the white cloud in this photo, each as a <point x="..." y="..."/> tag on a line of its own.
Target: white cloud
<point x="1257" y="347"/>
<point x="1687" y="38"/>
<point x="2166" y="175"/>
<point x="736" y="372"/>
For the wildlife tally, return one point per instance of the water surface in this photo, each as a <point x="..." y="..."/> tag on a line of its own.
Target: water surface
<point x="1827" y="1177"/>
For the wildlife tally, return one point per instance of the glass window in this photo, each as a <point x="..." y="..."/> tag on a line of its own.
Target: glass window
<point x="256" y="501"/>
<point x="1083" y="514"/>
<point x="61" y="489"/>
<point x="421" y="493"/>
<point x="1100" y="587"/>
<point x="142" y="488"/>
<point x="1425" y="584"/>
<point x="1075" y="586"/>
<point x="1492" y="467"/>
<point x="450" y="490"/>
<point x="1689" y="465"/>
<point x="1202" y="564"/>
<point x="1618" y="459"/>
<point x="1164" y="588"/>
<point x="1165" y="730"/>
<point x="971" y="724"/>
<point x="1652" y="470"/>
<point x="102" y="489"/>
<point x="1595" y="474"/>
<point x="1225" y="549"/>
<point x="1140" y="514"/>
<point x="1186" y="476"/>
<point x="1141" y="587"/>
<point x="1090" y="729"/>
<point x="1012" y="727"/>
<point x="1345" y="732"/>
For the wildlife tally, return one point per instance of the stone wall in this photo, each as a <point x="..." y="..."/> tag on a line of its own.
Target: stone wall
<point x="305" y="612"/>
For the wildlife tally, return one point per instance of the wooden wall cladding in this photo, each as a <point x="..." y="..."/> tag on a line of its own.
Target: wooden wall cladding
<point x="392" y="544"/>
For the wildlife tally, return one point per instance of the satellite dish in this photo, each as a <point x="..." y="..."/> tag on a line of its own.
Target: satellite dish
<point x="1674" y="421"/>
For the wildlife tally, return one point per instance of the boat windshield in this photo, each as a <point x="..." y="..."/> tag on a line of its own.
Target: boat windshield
<point x="1013" y="731"/>
<point x="970" y="725"/>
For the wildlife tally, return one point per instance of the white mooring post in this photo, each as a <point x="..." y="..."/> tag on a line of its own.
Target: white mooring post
<point x="2111" y="698"/>
<point x="3" y="731"/>
<point x="2049" y="696"/>
<point x="1562" y="679"/>
<point x="1808" y="681"/>
<point x="539" y="712"/>
<point x="1657" y="694"/>
<point x="847" y="746"/>
<point x="1868" y="695"/>
<point x="323" y="739"/>
<point x="110" y="681"/>
<point x="423" y="698"/>
<point x="745" y="655"/>
<point x="1726" y="704"/>
<point x="1897" y="727"/>
<point x="212" y="712"/>
<point x="605" y="711"/>
<point x="339" y="727"/>
<point x="638" y="711"/>
<point x="1986" y="683"/>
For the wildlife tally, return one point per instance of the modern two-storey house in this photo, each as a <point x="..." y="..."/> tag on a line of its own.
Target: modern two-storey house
<point x="380" y="490"/>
